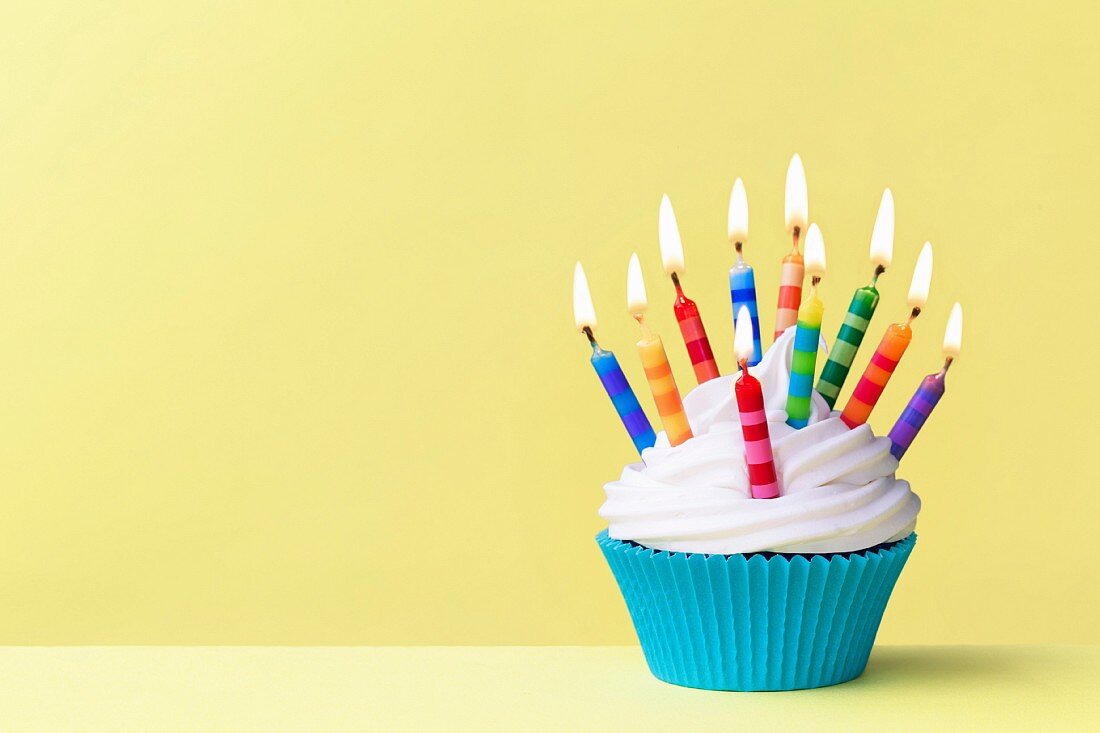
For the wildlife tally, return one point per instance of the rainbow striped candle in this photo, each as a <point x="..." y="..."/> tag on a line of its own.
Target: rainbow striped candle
<point x="806" y="335"/>
<point x="608" y="370"/>
<point x="792" y="272"/>
<point x="742" y="278"/>
<point x="662" y="384"/>
<point x="890" y="349"/>
<point x="759" y="462"/>
<point x="862" y="307"/>
<point x="929" y="392"/>
<point x="687" y="313"/>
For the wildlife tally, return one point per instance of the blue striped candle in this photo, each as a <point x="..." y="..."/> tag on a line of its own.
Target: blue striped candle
<point x="623" y="398"/>
<point x="742" y="279"/>
<point x="743" y="293"/>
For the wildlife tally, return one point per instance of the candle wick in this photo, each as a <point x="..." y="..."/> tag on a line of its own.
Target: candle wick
<point x="815" y="280"/>
<point x="915" y="312"/>
<point x="947" y="362"/>
<point x="676" y="282"/>
<point x="591" y="337"/>
<point x="640" y="318"/>
<point x="744" y="364"/>
<point x="797" y="231"/>
<point x="878" y="271"/>
<point x="737" y="246"/>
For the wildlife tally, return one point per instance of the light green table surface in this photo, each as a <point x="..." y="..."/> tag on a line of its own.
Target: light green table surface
<point x="526" y="689"/>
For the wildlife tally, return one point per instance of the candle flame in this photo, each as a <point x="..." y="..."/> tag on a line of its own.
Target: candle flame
<point x="922" y="278"/>
<point x="636" y="302"/>
<point x="743" y="335"/>
<point x="815" y="252"/>
<point x="584" y="313"/>
<point x="796" y="208"/>
<point x="668" y="234"/>
<point x="953" y="334"/>
<point x="739" y="214"/>
<point x="882" y="236"/>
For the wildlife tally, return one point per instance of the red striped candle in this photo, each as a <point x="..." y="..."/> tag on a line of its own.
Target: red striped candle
<point x="763" y="483"/>
<point x="695" y="336"/>
<point x="687" y="313"/>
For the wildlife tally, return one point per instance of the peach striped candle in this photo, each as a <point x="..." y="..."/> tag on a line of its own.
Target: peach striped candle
<point x="796" y="217"/>
<point x="662" y="383"/>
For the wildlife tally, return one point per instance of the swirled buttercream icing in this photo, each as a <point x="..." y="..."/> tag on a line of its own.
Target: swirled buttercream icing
<point x="838" y="492"/>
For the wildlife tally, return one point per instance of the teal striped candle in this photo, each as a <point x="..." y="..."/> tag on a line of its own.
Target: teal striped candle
<point x="862" y="308"/>
<point x="852" y="331"/>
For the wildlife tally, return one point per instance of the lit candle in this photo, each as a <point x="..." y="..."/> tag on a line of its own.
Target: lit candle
<point x="754" y="419"/>
<point x="890" y="349"/>
<point x="790" y="278"/>
<point x="806" y="336"/>
<point x="861" y="308"/>
<point x="655" y="362"/>
<point x="607" y="368"/>
<point x="929" y="392"/>
<point x="687" y="314"/>
<point x="742" y="278"/>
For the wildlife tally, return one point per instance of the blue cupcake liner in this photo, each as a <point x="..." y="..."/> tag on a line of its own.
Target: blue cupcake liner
<point x="763" y="621"/>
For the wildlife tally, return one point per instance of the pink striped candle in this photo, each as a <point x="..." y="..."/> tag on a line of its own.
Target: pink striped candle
<point x="763" y="483"/>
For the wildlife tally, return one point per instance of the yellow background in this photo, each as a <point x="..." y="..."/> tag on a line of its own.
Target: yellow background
<point x="288" y="353"/>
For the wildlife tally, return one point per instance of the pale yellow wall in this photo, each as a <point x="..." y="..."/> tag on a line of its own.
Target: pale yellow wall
<point x="287" y="352"/>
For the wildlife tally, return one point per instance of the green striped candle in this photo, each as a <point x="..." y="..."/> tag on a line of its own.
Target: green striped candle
<point x="852" y="331"/>
<point x="862" y="307"/>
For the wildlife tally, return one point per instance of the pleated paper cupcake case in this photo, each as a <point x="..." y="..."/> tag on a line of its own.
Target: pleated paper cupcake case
<point x="758" y="622"/>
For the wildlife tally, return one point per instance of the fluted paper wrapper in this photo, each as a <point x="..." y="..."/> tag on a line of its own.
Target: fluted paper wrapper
<point x="756" y="622"/>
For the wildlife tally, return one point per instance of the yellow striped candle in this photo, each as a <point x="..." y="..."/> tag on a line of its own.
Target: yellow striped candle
<point x="662" y="384"/>
<point x="806" y="336"/>
<point x="795" y="217"/>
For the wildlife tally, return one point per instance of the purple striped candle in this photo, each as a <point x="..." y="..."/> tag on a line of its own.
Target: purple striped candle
<point x="929" y="392"/>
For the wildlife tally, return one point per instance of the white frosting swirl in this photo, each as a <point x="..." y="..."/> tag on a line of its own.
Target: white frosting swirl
<point x="838" y="492"/>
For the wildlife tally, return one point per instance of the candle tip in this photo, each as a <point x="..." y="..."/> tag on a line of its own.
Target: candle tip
<point x="922" y="278"/>
<point x="882" y="236"/>
<point x="795" y="206"/>
<point x="668" y="236"/>
<point x="815" y="252"/>
<point x="636" y="302"/>
<point x="584" y="313"/>
<point x="738" y="220"/>
<point x="952" y="336"/>
<point x="743" y="335"/>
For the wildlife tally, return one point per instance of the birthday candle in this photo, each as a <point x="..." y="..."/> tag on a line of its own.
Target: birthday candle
<point x="890" y="349"/>
<point x="657" y="370"/>
<point x="792" y="272"/>
<point x="861" y="308"/>
<point x="929" y="392"/>
<point x="742" y="278"/>
<point x="687" y="313"/>
<point x="754" y="419"/>
<point x="607" y="368"/>
<point x="807" y="334"/>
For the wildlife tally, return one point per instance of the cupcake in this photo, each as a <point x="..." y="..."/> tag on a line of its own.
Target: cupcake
<point x="728" y="592"/>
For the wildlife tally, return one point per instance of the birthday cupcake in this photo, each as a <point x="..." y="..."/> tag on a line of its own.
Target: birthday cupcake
<point x="756" y="549"/>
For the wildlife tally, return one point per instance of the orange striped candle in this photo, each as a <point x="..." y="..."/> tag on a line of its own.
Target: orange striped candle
<point x="890" y="349"/>
<point x="796" y="216"/>
<point x="662" y="384"/>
